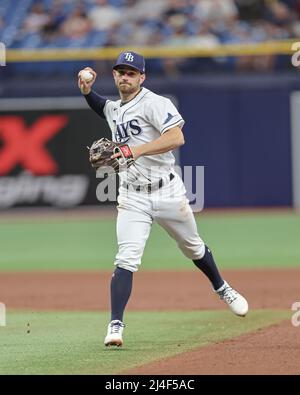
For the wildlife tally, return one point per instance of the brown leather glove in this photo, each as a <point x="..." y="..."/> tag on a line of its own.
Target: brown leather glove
<point x="102" y="150"/>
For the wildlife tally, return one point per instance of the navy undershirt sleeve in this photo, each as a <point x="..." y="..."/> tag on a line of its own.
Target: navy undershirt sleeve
<point x="96" y="102"/>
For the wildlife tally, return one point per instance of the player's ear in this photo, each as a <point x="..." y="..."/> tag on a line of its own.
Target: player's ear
<point x="142" y="78"/>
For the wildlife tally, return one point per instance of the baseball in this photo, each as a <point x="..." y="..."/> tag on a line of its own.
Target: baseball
<point x="86" y="75"/>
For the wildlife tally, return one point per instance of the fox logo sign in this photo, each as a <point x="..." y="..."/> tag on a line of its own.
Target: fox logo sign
<point x="27" y="145"/>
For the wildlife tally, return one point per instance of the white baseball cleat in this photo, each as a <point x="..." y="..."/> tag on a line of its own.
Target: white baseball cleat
<point x="236" y="302"/>
<point x="114" y="334"/>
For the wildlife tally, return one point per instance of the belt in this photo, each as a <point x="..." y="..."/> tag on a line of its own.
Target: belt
<point x="148" y="187"/>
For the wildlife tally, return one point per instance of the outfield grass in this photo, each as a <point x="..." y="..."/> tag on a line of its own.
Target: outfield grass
<point x="243" y="241"/>
<point x="72" y="343"/>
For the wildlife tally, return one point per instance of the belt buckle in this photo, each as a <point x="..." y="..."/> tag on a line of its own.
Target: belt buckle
<point x="150" y="187"/>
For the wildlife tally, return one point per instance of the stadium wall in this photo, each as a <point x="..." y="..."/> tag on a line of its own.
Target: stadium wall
<point x="238" y="127"/>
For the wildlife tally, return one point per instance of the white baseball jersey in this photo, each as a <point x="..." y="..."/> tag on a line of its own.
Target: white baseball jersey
<point x="141" y="120"/>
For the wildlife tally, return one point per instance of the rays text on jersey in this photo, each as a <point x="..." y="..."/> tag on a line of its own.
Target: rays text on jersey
<point x="125" y="130"/>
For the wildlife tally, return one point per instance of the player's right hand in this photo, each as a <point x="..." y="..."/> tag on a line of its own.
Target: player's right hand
<point x="86" y="87"/>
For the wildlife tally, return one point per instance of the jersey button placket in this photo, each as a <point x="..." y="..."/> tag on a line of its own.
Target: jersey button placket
<point x="154" y="201"/>
<point x="116" y="123"/>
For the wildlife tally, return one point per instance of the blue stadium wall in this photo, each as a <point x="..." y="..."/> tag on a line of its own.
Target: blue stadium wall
<point x="238" y="127"/>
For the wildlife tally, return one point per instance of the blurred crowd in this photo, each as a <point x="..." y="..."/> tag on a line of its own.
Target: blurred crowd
<point x="192" y="23"/>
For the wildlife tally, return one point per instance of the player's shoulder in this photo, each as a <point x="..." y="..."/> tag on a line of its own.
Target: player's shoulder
<point x="112" y="104"/>
<point x="150" y="96"/>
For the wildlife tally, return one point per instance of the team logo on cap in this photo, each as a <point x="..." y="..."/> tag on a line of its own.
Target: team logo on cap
<point x="129" y="57"/>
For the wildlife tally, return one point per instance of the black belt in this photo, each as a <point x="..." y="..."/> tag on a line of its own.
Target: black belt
<point x="148" y="187"/>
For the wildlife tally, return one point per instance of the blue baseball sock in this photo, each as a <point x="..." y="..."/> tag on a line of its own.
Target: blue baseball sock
<point x="120" y="290"/>
<point x="208" y="266"/>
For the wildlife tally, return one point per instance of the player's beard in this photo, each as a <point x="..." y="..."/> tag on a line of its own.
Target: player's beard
<point x="127" y="89"/>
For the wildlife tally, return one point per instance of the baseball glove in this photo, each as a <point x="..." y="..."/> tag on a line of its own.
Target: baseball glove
<point x="102" y="150"/>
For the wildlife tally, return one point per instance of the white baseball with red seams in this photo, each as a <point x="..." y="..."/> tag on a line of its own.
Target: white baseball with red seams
<point x="86" y="75"/>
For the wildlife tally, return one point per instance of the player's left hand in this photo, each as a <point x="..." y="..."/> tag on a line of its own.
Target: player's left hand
<point x="107" y="153"/>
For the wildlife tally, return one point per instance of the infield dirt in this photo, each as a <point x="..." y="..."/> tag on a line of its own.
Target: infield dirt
<point x="273" y="350"/>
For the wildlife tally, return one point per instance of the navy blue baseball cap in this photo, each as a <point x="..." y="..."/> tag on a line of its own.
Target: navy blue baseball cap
<point x="131" y="59"/>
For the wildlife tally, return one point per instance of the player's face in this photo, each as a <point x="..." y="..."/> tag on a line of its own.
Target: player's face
<point x="128" y="80"/>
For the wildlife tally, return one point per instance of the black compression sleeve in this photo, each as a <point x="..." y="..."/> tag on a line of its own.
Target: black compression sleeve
<point x="96" y="102"/>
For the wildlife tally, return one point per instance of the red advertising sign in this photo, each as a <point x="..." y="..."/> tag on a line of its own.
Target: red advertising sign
<point x="44" y="159"/>
<point x="25" y="145"/>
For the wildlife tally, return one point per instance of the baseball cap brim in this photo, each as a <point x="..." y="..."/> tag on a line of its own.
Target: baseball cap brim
<point x="127" y="65"/>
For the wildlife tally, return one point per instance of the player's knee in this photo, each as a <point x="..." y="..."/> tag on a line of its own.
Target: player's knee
<point x="127" y="266"/>
<point x="193" y="250"/>
<point x="129" y="258"/>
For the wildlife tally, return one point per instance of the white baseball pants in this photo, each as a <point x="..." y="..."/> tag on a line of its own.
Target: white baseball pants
<point x="169" y="207"/>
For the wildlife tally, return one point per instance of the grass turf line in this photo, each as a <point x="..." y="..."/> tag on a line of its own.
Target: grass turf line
<point x="72" y="342"/>
<point x="237" y="241"/>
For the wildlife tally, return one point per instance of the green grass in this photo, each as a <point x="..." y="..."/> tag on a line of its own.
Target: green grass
<point x="72" y="343"/>
<point x="237" y="241"/>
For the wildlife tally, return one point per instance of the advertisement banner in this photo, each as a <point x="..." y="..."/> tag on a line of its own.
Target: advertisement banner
<point x="43" y="152"/>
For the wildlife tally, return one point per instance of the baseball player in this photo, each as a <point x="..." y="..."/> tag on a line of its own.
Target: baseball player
<point x="152" y="127"/>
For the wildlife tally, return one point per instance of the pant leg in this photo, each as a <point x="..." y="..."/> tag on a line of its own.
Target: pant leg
<point x="133" y="229"/>
<point x="177" y="218"/>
